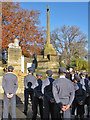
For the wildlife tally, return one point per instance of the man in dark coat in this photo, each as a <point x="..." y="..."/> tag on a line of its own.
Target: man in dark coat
<point x="10" y="86"/>
<point x="86" y="83"/>
<point x="48" y="101"/>
<point x="80" y="96"/>
<point x="38" y="98"/>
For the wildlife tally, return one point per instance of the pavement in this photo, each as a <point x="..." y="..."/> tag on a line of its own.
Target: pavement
<point x="20" y="109"/>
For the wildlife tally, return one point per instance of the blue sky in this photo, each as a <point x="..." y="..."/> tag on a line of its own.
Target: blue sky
<point x="68" y="13"/>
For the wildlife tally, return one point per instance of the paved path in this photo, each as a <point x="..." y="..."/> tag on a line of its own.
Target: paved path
<point x="20" y="108"/>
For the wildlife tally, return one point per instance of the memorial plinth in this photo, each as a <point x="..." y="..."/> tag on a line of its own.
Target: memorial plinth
<point x="49" y="50"/>
<point x="14" y="59"/>
<point x="14" y="55"/>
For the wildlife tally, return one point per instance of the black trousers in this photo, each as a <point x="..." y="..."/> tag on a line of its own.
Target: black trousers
<point x="27" y="93"/>
<point x="74" y="106"/>
<point x="49" y="109"/>
<point x="80" y="108"/>
<point x="35" y="103"/>
<point x="87" y="102"/>
<point x="58" y="114"/>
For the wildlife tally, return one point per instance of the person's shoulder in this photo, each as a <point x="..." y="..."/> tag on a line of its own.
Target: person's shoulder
<point x="56" y="81"/>
<point x="33" y="76"/>
<point x="68" y="80"/>
<point x="14" y="75"/>
<point x="86" y="79"/>
<point x="7" y="74"/>
<point x="27" y="76"/>
<point x="10" y="74"/>
<point x="45" y="81"/>
<point x="51" y="79"/>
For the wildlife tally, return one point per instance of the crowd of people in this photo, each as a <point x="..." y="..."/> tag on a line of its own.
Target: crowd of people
<point x="58" y="99"/>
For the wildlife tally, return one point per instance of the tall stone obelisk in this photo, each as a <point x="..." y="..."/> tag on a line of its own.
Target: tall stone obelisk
<point x="48" y="48"/>
<point x="48" y="31"/>
<point x="48" y="61"/>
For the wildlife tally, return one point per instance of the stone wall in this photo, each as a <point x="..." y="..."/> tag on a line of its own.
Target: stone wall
<point x="27" y="60"/>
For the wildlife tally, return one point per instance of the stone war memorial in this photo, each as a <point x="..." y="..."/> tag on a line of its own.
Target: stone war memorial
<point x="47" y="61"/>
<point x="14" y="55"/>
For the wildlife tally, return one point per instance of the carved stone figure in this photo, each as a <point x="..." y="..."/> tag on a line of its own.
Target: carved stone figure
<point x="15" y="44"/>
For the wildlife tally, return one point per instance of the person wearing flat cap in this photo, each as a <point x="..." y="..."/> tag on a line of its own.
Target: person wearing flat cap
<point x="38" y="98"/>
<point x="30" y="83"/>
<point x="79" y="100"/>
<point x="63" y="92"/>
<point x="48" y="101"/>
<point x="85" y="82"/>
<point x="10" y="86"/>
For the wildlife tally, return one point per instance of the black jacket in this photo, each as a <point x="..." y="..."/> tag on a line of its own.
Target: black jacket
<point x="38" y="89"/>
<point x="48" y="90"/>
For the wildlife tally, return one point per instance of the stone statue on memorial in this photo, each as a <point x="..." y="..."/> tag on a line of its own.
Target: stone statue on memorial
<point x="15" y="44"/>
<point x="34" y="63"/>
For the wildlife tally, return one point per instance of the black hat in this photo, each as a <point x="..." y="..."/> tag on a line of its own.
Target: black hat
<point x="62" y="70"/>
<point x="38" y="74"/>
<point x="83" y="73"/>
<point x="76" y="77"/>
<point x="30" y="69"/>
<point x="10" y="67"/>
<point x="49" y="72"/>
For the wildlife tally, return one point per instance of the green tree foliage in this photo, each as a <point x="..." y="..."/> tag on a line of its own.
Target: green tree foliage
<point x="78" y="64"/>
<point x="61" y="64"/>
<point x="69" y="42"/>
